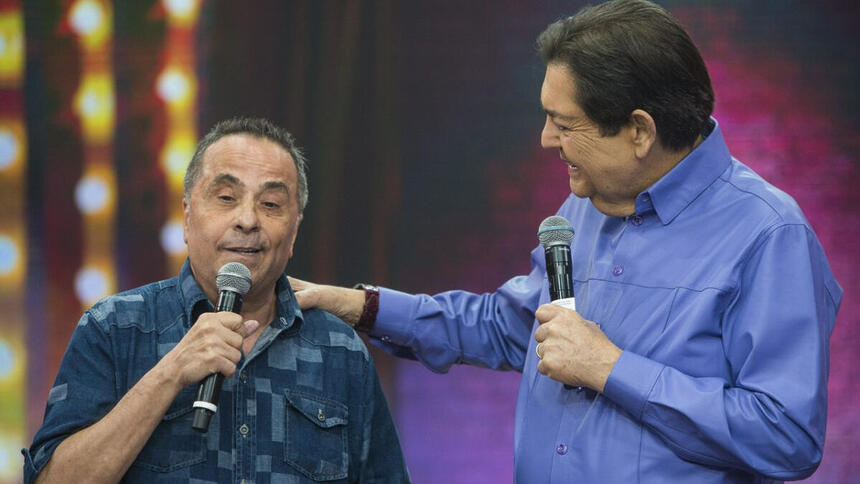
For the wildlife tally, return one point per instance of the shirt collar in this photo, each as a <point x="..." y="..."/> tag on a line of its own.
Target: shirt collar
<point x="195" y="302"/>
<point x="672" y="193"/>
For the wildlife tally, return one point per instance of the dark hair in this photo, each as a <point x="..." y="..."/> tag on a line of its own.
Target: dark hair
<point x="632" y="54"/>
<point x="261" y="128"/>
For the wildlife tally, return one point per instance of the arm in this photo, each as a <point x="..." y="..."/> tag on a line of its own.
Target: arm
<point x="770" y="418"/>
<point x="109" y="446"/>
<point x="491" y="329"/>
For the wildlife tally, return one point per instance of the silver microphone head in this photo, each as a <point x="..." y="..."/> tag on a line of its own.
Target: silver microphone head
<point x="555" y="230"/>
<point x="235" y="277"/>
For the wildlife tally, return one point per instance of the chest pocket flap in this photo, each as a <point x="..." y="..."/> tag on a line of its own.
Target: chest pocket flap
<point x="316" y="436"/>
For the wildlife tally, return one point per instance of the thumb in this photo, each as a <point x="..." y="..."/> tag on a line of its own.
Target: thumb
<point x="546" y="312"/>
<point x="248" y="327"/>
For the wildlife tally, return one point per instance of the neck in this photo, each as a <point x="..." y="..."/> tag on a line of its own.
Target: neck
<point x="658" y="162"/>
<point x="260" y="307"/>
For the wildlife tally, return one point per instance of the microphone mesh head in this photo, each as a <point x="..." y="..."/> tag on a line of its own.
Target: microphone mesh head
<point x="235" y="277"/>
<point x="555" y="230"/>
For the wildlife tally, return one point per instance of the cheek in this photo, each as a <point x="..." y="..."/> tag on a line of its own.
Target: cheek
<point x="580" y="146"/>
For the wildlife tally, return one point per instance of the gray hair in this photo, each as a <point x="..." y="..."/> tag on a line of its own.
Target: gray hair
<point x="260" y="128"/>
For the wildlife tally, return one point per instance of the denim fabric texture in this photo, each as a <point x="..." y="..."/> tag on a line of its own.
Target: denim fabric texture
<point x="305" y="406"/>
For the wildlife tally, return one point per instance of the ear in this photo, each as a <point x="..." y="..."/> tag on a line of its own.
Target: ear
<point x="186" y="216"/>
<point x="643" y="133"/>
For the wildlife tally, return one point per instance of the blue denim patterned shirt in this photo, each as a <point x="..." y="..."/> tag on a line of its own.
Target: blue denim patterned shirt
<point x="304" y="406"/>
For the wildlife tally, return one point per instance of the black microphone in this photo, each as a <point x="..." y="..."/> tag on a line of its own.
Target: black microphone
<point x="555" y="234"/>
<point x="233" y="282"/>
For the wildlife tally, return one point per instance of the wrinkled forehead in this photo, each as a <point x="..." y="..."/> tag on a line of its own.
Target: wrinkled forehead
<point x="244" y="155"/>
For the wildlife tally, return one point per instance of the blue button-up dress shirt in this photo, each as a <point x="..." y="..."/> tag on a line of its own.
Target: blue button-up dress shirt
<point x="720" y="297"/>
<point x="304" y="406"/>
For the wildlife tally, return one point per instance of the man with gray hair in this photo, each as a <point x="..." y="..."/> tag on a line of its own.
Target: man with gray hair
<point x="302" y="399"/>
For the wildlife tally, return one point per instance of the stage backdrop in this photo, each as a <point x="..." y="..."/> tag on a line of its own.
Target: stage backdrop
<point x="421" y="121"/>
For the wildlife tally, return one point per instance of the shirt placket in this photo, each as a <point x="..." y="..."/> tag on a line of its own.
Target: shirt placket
<point x="246" y="426"/>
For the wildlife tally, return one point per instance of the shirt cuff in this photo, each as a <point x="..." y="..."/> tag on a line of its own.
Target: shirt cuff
<point x="394" y="319"/>
<point x="630" y="382"/>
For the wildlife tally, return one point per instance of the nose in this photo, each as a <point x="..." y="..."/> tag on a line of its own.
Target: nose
<point x="247" y="219"/>
<point x="549" y="135"/>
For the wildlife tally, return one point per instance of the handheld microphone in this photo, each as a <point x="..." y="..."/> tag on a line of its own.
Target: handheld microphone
<point x="233" y="282"/>
<point x="555" y="234"/>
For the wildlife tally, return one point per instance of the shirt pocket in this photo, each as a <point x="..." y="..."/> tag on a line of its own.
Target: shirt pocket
<point x="316" y="436"/>
<point x="174" y="444"/>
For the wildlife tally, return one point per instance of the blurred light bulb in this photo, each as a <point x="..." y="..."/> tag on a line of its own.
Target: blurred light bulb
<point x="7" y="360"/>
<point x="173" y="238"/>
<point x="92" y="194"/>
<point x="9" y="257"/>
<point x="86" y="17"/>
<point x="8" y="149"/>
<point x="91" y="284"/>
<point x="179" y="7"/>
<point x="173" y="85"/>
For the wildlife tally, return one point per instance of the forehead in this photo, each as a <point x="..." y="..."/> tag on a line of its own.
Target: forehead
<point x="248" y="156"/>
<point x="558" y="92"/>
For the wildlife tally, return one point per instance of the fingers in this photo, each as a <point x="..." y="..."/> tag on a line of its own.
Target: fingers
<point x="306" y="296"/>
<point x="298" y="284"/>
<point x="546" y="312"/>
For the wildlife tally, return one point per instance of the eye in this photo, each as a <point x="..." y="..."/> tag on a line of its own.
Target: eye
<point x="272" y="205"/>
<point x="562" y="127"/>
<point x="226" y="198"/>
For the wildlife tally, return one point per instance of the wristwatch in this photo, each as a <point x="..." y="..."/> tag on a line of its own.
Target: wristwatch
<point x="371" y="307"/>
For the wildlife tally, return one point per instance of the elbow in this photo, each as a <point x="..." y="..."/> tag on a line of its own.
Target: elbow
<point x="797" y="464"/>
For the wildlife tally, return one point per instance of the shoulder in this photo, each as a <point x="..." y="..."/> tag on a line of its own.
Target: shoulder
<point x="760" y="199"/>
<point x="134" y="307"/>
<point x="324" y="329"/>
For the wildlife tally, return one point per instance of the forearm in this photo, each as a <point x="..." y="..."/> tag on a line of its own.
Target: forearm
<point x="104" y="451"/>
<point x="705" y="420"/>
<point x="490" y="330"/>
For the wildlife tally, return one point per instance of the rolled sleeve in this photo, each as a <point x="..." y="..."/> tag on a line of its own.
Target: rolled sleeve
<point x="84" y="391"/>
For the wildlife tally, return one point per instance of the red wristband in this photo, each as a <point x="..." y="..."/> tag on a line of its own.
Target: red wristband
<point x="371" y="307"/>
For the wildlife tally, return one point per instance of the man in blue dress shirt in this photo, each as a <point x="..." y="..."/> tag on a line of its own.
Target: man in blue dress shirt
<point x="302" y="402"/>
<point x="698" y="351"/>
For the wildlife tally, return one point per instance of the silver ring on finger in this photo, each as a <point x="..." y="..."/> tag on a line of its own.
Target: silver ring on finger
<point x="537" y="351"/>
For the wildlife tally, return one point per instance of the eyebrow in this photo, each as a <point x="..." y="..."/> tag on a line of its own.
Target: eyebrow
<point x="228" y="179"/>
<point x="556" y="115"/>
<point x="276" y="185"/>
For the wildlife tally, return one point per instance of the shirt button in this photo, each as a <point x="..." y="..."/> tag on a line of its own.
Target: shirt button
<point x="385" y="339"/>
<point x="618" y="270"/>
<point x="243" y="429"/>
<point x="636" y="220"/>
<point x="243" y="376"/>
<point x="561" y="449"/>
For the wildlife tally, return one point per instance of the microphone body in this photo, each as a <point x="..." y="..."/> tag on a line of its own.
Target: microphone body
<point x="559" y="271"/>
<point x="233" y="281"/>
<point x="555" y="234"/>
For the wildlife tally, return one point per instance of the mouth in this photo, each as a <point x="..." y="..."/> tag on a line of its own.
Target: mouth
<point x="571" y="166"/>
<point x="244" y="250"/>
